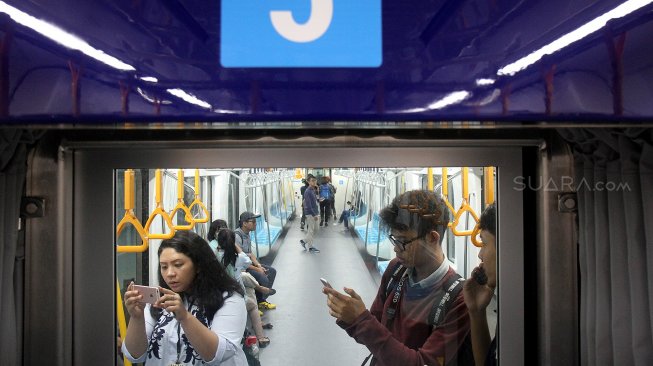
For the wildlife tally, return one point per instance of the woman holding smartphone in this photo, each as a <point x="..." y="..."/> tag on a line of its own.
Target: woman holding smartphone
<point x="479" y="289"/>
<point x="200" y="317"/>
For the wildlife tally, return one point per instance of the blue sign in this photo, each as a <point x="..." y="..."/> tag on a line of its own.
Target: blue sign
<point x="301" y="33"/>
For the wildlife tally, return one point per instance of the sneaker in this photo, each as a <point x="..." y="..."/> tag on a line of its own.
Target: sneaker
<point x="314" y="250"/>
<point x="264" y="305"/>
<point x="303" y="244"/>
<point x="321" y="223"/>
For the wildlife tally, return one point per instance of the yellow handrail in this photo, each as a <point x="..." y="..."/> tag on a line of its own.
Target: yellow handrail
<point x="158" y="210"/>
<point x="429" y="178"/>
<point x="488" y="180"/>
<point x="122" y="324"/>
<point x="197" y="200"/>
<point x="181" y="205"/>
<point x="464" y="207"/>
<point x="130" y="218"/>
<point x="445" y="191"/>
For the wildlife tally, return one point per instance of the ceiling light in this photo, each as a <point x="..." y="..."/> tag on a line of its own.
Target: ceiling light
<point x="189" y="98"/>
<point x="573" y="36"/>
<point x="484" y="82"/>
<point x="62" y="37"/>
<point x="149" y="79"/>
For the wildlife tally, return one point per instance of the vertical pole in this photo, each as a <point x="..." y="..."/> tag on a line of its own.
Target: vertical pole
<point x="75" y="72"/>
<point x="616" y="52"/>
<point x="548" y="89"/>
<point x="4" y="67"/>
<point x="124" y="98"/>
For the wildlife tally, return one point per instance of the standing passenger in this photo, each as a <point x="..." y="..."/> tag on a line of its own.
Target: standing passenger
<point x="398" y="329"/>
<point x="200" y="317"/>
<point x="263" y="273"/>
<point x="479" y="289"/>
<point x="302" y="190"/>
<point x="312" y="215"/>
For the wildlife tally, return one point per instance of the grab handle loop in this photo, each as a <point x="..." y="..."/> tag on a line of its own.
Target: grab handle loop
<point x="188" y="216"/>
<point x="130" y="218"/>
<point x="158" y="210"/>
<point x="198" y="201"/>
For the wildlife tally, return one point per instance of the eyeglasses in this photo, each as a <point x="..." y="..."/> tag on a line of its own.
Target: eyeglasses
<point x="399" y="243"/>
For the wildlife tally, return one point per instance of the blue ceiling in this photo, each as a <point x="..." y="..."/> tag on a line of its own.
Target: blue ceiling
<point x="434" y="52"/>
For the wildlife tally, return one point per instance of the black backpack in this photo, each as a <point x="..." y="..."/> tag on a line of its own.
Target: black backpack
<point x="441" y="305"/>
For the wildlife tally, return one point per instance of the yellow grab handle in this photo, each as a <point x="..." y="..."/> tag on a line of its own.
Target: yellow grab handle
<point x="122" y="324"/>
<point x="475" y="233"/>
<point x="463" y="208"/>
<point x="465" y="183"/>
<point x="445" y="191"/>
<point x="197" y="200"/>
<point x="429" y="178"/>
<point x="130" y="218"/>
<point x="489" y="185"/>
<point x="181" y="205"/>
<point x="160" y="211"/>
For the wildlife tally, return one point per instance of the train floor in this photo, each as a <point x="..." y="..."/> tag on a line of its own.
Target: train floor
<point x="303" y="331"/>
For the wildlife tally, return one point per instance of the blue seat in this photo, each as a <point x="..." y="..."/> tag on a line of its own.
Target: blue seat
<point x="260" y="236"/>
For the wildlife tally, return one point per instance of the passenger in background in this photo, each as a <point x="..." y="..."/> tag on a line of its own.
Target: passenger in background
<point x="333" y="200"/>
<point x="479" y="289"/>
<point x="236" y="261"/>
<point x="398" y="328"/>
<point x="311" y="207"/>
<point x="212" y="235"/>
<point x="200" y="316"/>
<point x="263" y="273"/>
<point x="325" y="190"/>
<point x="344" y="216"/>
<point x="302" y="190"/>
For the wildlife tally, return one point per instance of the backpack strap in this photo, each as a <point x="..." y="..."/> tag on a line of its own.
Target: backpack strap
<point x="398" y="271"/>
<point x="453" y="285"/>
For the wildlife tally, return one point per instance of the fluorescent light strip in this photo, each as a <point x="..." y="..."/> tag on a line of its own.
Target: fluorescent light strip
<point x="451" y="98"/>
<point x="62" y="37"/>
<point x="573" y="36"/>
<point x="484" y="82"/>
<point x="149" y="79"/>
<point x="189" y="98"/>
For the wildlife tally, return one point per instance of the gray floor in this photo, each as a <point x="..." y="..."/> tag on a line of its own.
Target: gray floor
<point x="304" y="333"/>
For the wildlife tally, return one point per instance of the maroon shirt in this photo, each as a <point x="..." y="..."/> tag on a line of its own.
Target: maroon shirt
<point x="411" y="340"/>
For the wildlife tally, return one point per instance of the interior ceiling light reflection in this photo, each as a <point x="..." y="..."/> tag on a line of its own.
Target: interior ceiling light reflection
<point x="62" y="37"/>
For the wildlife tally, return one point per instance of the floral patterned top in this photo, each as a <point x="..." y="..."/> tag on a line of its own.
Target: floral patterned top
<point x="163" y="334"/>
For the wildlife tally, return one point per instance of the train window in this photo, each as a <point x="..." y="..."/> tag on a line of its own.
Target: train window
<point x="269" y="191"/>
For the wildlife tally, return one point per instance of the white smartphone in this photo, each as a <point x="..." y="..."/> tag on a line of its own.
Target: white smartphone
<point x="325" y="283"/>
<point x="150" y="294"/>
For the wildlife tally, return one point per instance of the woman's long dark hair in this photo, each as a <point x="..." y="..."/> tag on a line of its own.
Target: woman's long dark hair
<point x="227" y="242"/>
<point x="215" y="227"/>
<point x="211" y="279"/>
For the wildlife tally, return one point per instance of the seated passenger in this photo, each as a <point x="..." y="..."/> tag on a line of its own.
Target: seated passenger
<point x="398" y="328"/>
<point x="235" y="261"/>
<point x="251" y="287"/>
<point x="263" y="273"/>
<point x="344" y="216"/>
<point x="200" y="316"/>
<point x="479" y="289"/>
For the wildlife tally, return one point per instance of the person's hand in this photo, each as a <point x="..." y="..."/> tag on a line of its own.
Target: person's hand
<point x="315" y="218"/>
<point x="342" y="307"/>
<point x="477" y="297"/>
<point x="172" y="303"/>
<point x="259" y="269"/>
<point x="133" y="302"/>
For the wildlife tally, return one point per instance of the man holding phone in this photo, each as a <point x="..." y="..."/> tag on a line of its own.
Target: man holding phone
<point x="406" y="324"/>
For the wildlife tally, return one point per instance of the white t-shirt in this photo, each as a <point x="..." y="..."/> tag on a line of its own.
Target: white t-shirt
<point x="228" y="324"/>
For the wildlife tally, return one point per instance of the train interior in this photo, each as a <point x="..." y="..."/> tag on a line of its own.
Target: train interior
<point x="122" y="121"/>
<point x="355" y="256"/>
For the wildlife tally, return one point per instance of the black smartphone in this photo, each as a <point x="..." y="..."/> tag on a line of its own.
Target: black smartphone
<point x="479" y="276"/>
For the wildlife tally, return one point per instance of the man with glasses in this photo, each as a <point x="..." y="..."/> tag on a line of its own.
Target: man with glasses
<point x="263" y="273"/>
<point x="418" y="316"/>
